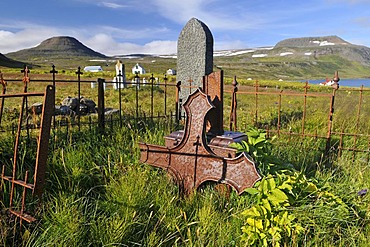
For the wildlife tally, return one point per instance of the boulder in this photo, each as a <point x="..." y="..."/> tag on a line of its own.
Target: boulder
<point x="71" y="103"/>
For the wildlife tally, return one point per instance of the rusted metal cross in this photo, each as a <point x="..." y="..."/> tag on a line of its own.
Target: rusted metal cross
<point x="191" y="162"/>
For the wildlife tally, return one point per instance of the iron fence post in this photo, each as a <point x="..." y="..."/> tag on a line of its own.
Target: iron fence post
<point x="3" y="83"/>
<point x="256" y="104"/>
<point x="53" y="71"/>
<point x="165" y="94"/>
<point x="152" y="96"/>
<point x="137" y="81"/>
<point x="177" y="104"/>
<point x="120" y="77"/>
<point x="233" y="121"/>
<point x="101" y="107"/>
<point x="79" y="73"/>
<point x="306" y="87"/>
<point x="331" y="112"/>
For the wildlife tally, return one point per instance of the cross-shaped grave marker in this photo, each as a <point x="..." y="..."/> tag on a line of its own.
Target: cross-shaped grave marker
<point x="191" y="162"/>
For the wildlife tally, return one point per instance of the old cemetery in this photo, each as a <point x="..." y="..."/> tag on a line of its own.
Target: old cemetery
<point x="200" y="159"/>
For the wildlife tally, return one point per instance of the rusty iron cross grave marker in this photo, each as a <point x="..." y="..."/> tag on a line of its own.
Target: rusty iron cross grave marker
<point x="191" y="162"/>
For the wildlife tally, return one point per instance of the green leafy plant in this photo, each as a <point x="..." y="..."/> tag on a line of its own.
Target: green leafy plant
<point x="268" y="222"/>
<point x="259" y="147"/>
<point x="271" y="220"/>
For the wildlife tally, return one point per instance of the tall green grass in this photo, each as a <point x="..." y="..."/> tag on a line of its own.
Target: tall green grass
<point x="98" y="193"/>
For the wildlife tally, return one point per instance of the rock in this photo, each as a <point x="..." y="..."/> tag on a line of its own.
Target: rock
<point x="71" y="103"/>
<point x="64" y="110"/>
<point x="36" y="108"/>
<point x="90" y="104"/>
<point x="84" y="109"/>
<point x="111" y="112"/>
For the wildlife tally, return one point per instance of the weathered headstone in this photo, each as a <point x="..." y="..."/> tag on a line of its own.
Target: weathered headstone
<point x="194" y="56"/>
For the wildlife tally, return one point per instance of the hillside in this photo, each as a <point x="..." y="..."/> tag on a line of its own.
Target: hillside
<point x="298" y="58"/>
<point x="289" y="59"/>
<point x="311" y="42"/>
<point x="9" y="63"/>
<point x="56" y="50"/>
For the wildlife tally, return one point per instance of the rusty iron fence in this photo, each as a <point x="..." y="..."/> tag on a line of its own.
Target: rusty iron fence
<point x="153" y="99"/>
<point x="337" y="115"/>
<point x="22" y="175"/>
<point x="306" y="111"/>
<point x="32" y="123"/>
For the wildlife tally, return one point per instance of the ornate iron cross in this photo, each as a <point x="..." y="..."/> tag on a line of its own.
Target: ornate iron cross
<point x="192" y="162"/>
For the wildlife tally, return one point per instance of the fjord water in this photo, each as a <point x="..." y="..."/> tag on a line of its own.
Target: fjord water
<point x="358" y="82"/>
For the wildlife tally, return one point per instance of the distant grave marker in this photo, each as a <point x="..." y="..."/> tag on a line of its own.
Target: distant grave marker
<point x="120" y="77"/>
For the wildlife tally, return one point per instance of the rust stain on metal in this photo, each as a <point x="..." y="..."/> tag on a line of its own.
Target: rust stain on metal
<point x="191" y="162"/>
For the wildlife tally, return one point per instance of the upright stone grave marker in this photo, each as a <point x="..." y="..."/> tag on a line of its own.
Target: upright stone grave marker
<point x="120" y="78"/>
<point x="194" y="56"/>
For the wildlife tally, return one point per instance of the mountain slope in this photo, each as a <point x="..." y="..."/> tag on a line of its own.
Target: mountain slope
<point x="311" y="42"/>
<point x="10" y="63"/>
<point x="54" y="49"/>
<point x="300" y="58"/>
<point x="295" y="58"/>
<point x="323" y="46"/>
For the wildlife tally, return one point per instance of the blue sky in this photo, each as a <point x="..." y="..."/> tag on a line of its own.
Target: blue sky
<point x="117" y="27"/>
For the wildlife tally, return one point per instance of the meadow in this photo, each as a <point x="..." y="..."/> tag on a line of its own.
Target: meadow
<point x="99" y="194"/>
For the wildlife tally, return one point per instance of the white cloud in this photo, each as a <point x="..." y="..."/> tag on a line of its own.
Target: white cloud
<point x="108" y="46"/>
<point x="25" y="38"/>
<point x="130" y="34"/>
<point x="103" y="42"/>
<point x="112" y="5"/>
<point x="214" y="13"/>
<point x="228" y="45"/>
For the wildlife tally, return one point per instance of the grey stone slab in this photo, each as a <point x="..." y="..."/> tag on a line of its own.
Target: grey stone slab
<point x="194" y="56"/>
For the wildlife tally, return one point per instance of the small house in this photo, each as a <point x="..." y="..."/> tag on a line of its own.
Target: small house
<point x="137" y="69"/>
<point x="93" y="69"/>
<point x="171" y="72"/>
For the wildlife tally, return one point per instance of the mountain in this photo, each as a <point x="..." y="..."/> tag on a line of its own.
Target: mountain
<point x="56" y="49"/>
<point x="311" y="42"/>
<point x="328" y="45"/>
<point x="289" y="59"/>
<point x="298" y="58"/>
<point x="10" y="63"/>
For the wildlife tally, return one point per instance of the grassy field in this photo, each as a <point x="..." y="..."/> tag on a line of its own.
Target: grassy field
<point x="99" y="194"/>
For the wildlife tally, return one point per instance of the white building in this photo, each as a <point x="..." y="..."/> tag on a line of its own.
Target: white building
<point x="93" y="69"/>
<point x="171" y="72"/>
<point x="137" y="69"/>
